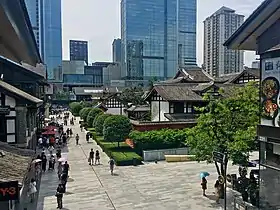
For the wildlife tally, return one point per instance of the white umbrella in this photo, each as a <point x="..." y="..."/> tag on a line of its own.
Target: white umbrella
<point x="61" y="159"/>
<point x="37" y="161"/>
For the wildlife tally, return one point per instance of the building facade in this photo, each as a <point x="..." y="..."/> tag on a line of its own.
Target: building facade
<point x="116" y="50"/>
<point x="78" y="50"/>
<point x="157" y="37"/>
<point x="256" y="64"/>
<point x="111" y="72"/>
<point x="45" y="17"/>
<point x="218" y="60"/>
<point x="73" y="67"/>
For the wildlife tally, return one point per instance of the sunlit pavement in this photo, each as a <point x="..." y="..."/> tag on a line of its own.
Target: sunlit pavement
<point x="162" y="186"/>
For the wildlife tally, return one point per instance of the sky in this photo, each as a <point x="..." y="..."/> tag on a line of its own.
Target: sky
<point x="98" y="22"/>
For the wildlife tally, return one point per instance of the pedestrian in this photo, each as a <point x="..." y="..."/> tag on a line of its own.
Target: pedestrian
<point x="97" y="157"/>
<point x="66" y="168"/>
<point x="87" y="137"/>
<point x="217" y="190"/>
<point x="58" y="153"/>
<point x="51" y="149"/>
<point x="63" y="179"/>
<point x="32" y="189"/>
<point x="81" y="127"/>
<point x="112" y="164"/>
<point x="59" y="196"/>
<point x="44" y="162"/>
<point x="59" y="170"/>
<point x="71" y="132"/>
<point x="40" y="142"/>
<point x="77" y="139"/>
<point x="51" y="163"/>
<point x="203" y="185"/>
<point x="91" y="157"/>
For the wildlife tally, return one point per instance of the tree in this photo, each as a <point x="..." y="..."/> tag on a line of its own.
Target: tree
<point x="75" y="108"/>
<point x="92" y="115"/>
<point x="227" y="125"/>
<point x="132" y="95"/>
<point x="99" y="122"/>
<point x="116" y="128"/>
<point x="84" y="113"/>
<point x="151" y="83"/>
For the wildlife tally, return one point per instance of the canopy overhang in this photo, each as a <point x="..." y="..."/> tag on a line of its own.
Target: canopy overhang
<point x="246" y="36"/>
<point x="17" y="41"/>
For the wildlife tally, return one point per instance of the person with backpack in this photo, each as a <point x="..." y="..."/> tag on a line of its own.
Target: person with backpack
<point x="112" y="164"/>
<point x="77" y="139"/>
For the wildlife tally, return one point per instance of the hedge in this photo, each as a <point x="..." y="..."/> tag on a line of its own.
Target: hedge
<point x="123" y="155"/>
<point x="158" y="139"/>
<point x="84" y="113"/>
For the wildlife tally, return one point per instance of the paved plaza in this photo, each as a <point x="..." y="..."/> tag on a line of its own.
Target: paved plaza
<point x="162" y="186"/>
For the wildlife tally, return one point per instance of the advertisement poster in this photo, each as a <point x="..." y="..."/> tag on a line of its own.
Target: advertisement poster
<point x="270" y="97"/>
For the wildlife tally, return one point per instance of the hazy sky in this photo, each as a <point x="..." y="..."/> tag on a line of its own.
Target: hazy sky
<point x="98" y="21"/>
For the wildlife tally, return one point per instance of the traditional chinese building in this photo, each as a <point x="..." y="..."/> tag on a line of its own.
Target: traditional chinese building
<point x="261" y="33"/>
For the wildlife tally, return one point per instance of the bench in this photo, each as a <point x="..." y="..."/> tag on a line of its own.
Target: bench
<point x="178" y="158"/>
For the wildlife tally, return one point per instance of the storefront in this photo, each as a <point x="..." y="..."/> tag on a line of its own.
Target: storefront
<point x="261" y="33"/>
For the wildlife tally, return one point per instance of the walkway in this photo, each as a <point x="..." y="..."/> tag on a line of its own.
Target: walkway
<point x="152" y="186"/>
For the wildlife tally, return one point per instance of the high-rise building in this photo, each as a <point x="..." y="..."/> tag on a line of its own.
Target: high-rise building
<point x="78" y="50"/>
<point x="218" y="60"/>
<point x="45" y="17"/>
<point x="157" y="37"/>
<point x="116" y="50"/>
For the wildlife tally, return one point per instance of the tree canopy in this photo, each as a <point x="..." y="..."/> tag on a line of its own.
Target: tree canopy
<point x="227" y="125"/>
<point x="92" y="115"/>
<point x="116" y="128"/>
<point x="75" y="108"/>
<point x="132" y="95"/>
<point x="84" y="113"/>
<point x="99" y="122"/>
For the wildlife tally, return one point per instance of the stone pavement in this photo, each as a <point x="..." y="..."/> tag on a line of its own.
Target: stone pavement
<point x="164" y="185"/>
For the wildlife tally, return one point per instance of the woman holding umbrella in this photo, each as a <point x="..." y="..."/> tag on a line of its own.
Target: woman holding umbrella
<point x="204" y="182"/>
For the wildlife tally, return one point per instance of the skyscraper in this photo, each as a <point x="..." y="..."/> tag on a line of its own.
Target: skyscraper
<point x="218" y="60"/>
<point x="78" y="50"/>
<point x="157" y="36"/>
<point x="45" y="16"/>
<point x="116" y="50"/>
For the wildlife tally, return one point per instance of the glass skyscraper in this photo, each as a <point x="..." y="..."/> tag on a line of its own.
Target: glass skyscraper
<point x="157" y="37"/>
<point x="45" y="17"/>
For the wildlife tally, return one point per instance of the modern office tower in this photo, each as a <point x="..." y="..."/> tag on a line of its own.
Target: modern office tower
<point x="78" y="50"/>
<point x="116" y="50"/>
<point x="218" y="60"/>
<point x="45" y="17"/>
<point x="157" y="37"/>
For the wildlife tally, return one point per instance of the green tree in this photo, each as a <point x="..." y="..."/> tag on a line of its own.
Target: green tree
<point x="75" y="108"/>
<point x="92" y="115"/>
<point x="116" y="128"/>
<point x="132" y="95"/>
<point x="84" y="113"/>
<point x="99" y="122"/>
<point x="227" y="125"/>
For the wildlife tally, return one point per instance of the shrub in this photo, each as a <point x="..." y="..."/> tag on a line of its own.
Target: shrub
<point x="84" y="113"/>
<point x="92" y="114"/>
<point x="158" y="139"/>
<point x="116" y="128"/>
<point x="99" y="122"/>
<point x="75" y="108"/>
<point x="122" y="155"/>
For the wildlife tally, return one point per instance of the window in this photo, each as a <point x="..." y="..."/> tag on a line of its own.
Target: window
<point x="178" y="107"/>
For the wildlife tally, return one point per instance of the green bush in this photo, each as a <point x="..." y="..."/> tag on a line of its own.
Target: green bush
<point x="158" y="139"/>
<point x="116" y="128"/>
<point x="84" y="113"/>
<point x="123" y="155"/>
<point x="92" y="115"/>
<point x="75" y="108"/>
<point x="99" y="122"/>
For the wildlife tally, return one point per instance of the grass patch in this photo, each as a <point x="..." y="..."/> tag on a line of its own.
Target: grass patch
<point x="123" y="155"/>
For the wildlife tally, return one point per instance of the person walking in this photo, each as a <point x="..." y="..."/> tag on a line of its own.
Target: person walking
<point x="66" y="168"/>
<point x="203" y="185"/>
<point x="63" y="179"/>
<point x="91" y="157"/>
<point x="112" y="164"/>
<point x="44" y="162"/>
<point x="59" y="196"/>
<point x="77" y="139"/>
<point x="87" y="137"/>
<point x="32" y="189"/>
<point x="59" y="170"/>
<point x="97" y="157"/>
<point x="217" y="190"/>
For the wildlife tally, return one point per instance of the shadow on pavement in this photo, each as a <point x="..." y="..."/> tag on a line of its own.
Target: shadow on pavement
<point x="115" y="174"/>
<point x="71" y="180"/>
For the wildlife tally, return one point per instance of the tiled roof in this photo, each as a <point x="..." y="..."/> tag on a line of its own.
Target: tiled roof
<point x="14" y="164"/>
<point x="139" y="108"/>
<point x="181" y="117"/>
<point x="177" y="92"/>
<point x="195" y="74"/>
<point x="19" y="92"/>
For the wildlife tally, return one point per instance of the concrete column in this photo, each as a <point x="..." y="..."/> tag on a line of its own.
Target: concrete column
<point x="21" y="125"/>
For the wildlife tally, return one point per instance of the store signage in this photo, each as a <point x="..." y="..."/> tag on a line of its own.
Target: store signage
<point x="5" y="110"/>
<point x="270" y="95"/>
<point x="219" y="157"/>
<point x="9" y="191"/>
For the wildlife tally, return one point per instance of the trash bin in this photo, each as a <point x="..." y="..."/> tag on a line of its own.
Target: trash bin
<point x="134" y="161"/>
